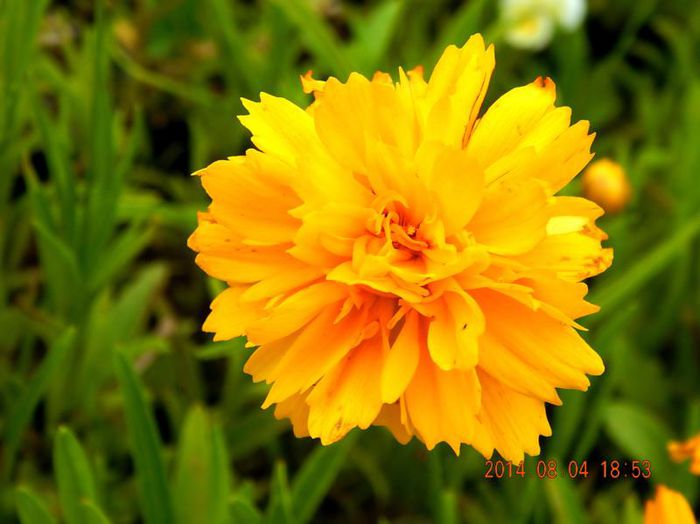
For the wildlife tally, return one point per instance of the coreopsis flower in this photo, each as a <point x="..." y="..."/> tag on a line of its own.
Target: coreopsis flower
<point x="605" y="183"/>
<point x="690" y="449"/>
<point x="398" y="259"/>
<point x="668" y="507"/>
<point x="530" y="24"/>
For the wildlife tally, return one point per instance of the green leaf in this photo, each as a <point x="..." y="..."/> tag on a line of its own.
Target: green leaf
<point x="317" y="36"/>
<point x="466" y="21"/>
<point x="59" y="167"/>
<point x="252" y="431"/>
<point x="240" y="68"/>
<point x="641" y="436"/>
<point x="280" y="506"/>
<point x="615" y="291"/>
<point x="91" y="513"/>
<point x="316" y="476"/>
<point x="447" y="507"/>
<point x="62" y="273"/>
<point x="565" y="501"/>
<point x="73" y="475"/>
<point x="202" y="481"/>
<point x="243" y="512"/>
<point x="19" y="22"/>
<point x="31" y="509"/>
<point x="224" y="349"/>
<point x="156" y="502"/>
<point x="374" y="33"/>
<point x="104" y="185"/>
<point x="123" y="249"/>
<point x="133" y="303"/>
<point x="24" y="406"/>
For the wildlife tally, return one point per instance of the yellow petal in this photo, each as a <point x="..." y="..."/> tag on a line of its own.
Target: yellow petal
<point x="513" y="216"/>
<point x="287" y="133"/>
<point x="668" y="507"/>
<point x="510" y="119"/>
<point x="557" y="352"/>
<point x="442" y="405"/>
<point x="307" y="359"/>
<point x="510" y="370"/>
<point x="349" y="396"/>
<point x="390" y="417"/>
<point x="229" y="317"/>
<point x="297" y="411"/>
<point x="401" y="360"/>
<point x="454" y="331"/>
<point x="456" y="90"/>
<point x="294" y="312"/>
<point x="509" y="421"/>
<point x="454" y="180"/>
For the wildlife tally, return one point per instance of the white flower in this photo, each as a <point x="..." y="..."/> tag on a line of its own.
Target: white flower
<point x="530" y="24"/>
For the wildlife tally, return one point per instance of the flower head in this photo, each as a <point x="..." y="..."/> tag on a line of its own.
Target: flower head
<point x="530" y="24"/>
<point x="690" y="449"/>
<point x="605" y="183"/>
<point x="399" y="260"/>
<point x="668" y="507"/>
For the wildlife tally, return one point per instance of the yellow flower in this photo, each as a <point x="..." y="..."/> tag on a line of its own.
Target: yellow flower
<point x="398" y="260"/>
<point x="690" y="449"/>
<point x="668" y="507"/>
<point x="606" y="184"/>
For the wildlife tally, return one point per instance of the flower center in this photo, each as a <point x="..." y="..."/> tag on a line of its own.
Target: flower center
<point x="395" y="224"/>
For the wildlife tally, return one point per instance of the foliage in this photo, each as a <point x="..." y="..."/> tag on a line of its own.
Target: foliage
<point x="115" y="408"/>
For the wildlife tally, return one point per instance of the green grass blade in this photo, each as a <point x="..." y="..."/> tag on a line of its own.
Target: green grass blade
<point x="565" y="501"/>
<point x="132" y="305"/>
<point x="615" y="291"/>
<point x="18" y="29"/>
<point x="224" y="349"/>
<point x="466" y="21"/>
<point x="448" y="510"/>
<point x="373" y="34"/>
<point x="240" y="69"/>
<point x="62" y="272"/>
<point x="104" y="184"/>
<point x="156" y="502"/>
<point x="22" y="409"/>
<point x="73" y="475"/>
<point x="31" y="509"/>
<point x="243" y="512"/>
<point x="280" y="507"/>
<point x="641" y="436"/>
<point x="123" y="249"/>
<point x="318" y="37"/>
<point x="202" y="482"/>
<point x="59" y="168"/>
<point x="92" y="514"/>
<point x="316" y="476"/>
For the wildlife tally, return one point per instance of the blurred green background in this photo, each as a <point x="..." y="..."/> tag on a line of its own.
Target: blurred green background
<point x="114" y="407"/>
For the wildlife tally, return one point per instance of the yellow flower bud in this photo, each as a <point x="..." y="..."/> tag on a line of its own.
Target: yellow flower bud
<point x="126" y="34"/>
<point x="605" y="182"/>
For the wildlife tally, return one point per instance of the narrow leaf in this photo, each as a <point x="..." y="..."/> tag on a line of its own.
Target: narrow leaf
<point x="317" y="475"/>
<point x="615" y="291"/>
<point x="243" y="512"/>
<point x="280" y="507"/>
<point x="31" y="509"/>
<point x="73" y="475"/>
<point x="202" y="481"/>
<point x="641" y="436"/>
<point x="156" y="502"/>
<point x="317" y="36"/>
<point x="22" y="409"/>
<point x="92" y="514"/>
